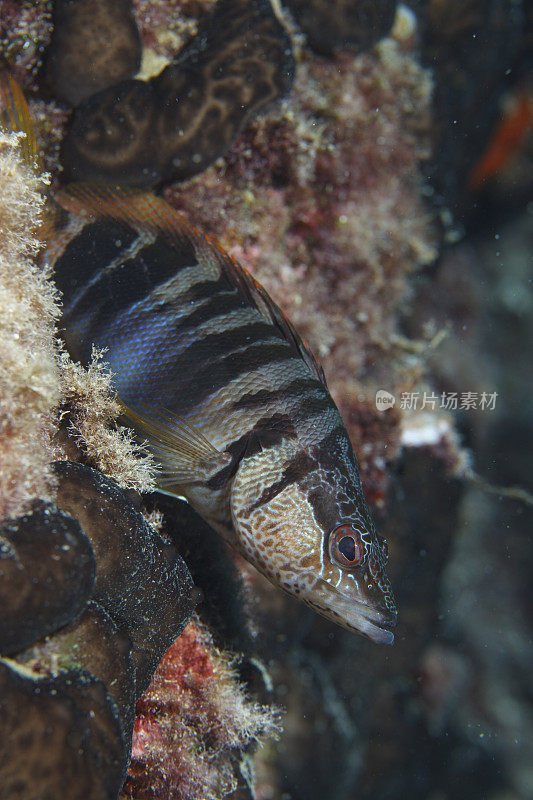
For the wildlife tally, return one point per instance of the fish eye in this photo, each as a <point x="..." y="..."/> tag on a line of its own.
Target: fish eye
<point x="345" y="548"/>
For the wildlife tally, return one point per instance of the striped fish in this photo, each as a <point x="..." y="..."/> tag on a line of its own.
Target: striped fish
<point x="211" y="373"/>
<point x="233" y="404"/>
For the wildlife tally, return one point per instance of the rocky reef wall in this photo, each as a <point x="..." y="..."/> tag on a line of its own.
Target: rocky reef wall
<point x="373" y="198"/>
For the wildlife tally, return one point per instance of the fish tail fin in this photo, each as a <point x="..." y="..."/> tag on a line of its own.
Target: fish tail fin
<point x="15" y="116"/>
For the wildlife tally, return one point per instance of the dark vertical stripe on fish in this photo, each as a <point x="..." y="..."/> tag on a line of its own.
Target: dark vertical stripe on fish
<point x="268" y="431"/>
<point x="300" y="466"/>
<point x="214" y="308"/>
<point x="210" y="379"/>
<point x="204" y="289"/>
<point x="265" y="397"/>
<point x="311" y="406"/>
<point x="333" y="446"/>
<point x="91" y="251"/>
<point x="214" y="346"/>
<point x="163" y="260"/>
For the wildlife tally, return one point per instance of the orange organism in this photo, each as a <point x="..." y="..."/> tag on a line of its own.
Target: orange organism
<point x="507" y="139"/>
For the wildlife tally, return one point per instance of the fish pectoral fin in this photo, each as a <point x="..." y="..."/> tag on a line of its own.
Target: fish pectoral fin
<point x="183" y="452"/>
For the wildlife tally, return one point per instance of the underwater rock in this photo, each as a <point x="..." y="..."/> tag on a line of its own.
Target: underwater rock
<point x="140" y="580"/>
<point x="95" y="44"/>
<point x="99" y="647"/>
<point x="60" y="737"/>
<point x="357" y="24"/>
<point x="140" y="133"/>
<point x="47" y="570"/>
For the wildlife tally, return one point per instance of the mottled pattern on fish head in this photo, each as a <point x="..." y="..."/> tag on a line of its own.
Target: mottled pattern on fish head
<point x="301" y="518"/>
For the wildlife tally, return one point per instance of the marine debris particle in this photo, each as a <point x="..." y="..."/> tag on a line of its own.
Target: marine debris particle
<point x="343" y="23"/>
<point x="64" y="736"/>
<point x="94" y="45"/>
<point x="140" y="133"/>
<point x="47" y="571"/>
<point x="193" y="724"/>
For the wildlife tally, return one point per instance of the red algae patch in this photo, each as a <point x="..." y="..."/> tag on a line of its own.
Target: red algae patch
<point x="193" y="725"/>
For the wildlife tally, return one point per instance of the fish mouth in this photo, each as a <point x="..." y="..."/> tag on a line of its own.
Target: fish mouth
<point x="368" y="620"/>
<point x="355" y="614"/>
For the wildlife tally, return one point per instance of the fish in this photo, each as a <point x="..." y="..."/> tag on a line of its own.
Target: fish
<point x="507" y="140"/>
<point x="230" y="399"/>
<point x="232" y="402"/>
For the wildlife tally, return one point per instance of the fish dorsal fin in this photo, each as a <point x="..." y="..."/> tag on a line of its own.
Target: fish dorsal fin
<point x="134" y="207"/>
<point x="184" y="454"/>
<point x="143" y="209"/>
<point x="259" y="297"/>
<point x="15" y="116"/>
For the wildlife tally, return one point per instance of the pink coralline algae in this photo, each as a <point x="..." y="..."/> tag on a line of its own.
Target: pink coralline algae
<point x="25" y="30"/>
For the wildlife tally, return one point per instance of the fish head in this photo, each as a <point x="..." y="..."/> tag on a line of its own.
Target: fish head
<point x="300" y="518"/>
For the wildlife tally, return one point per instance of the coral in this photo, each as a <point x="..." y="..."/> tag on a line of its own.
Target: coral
<point x="141" y="133"/>
<point x="29" y="382"/>
<point x="91" y="407"/>
<point x="192" y="724"/>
